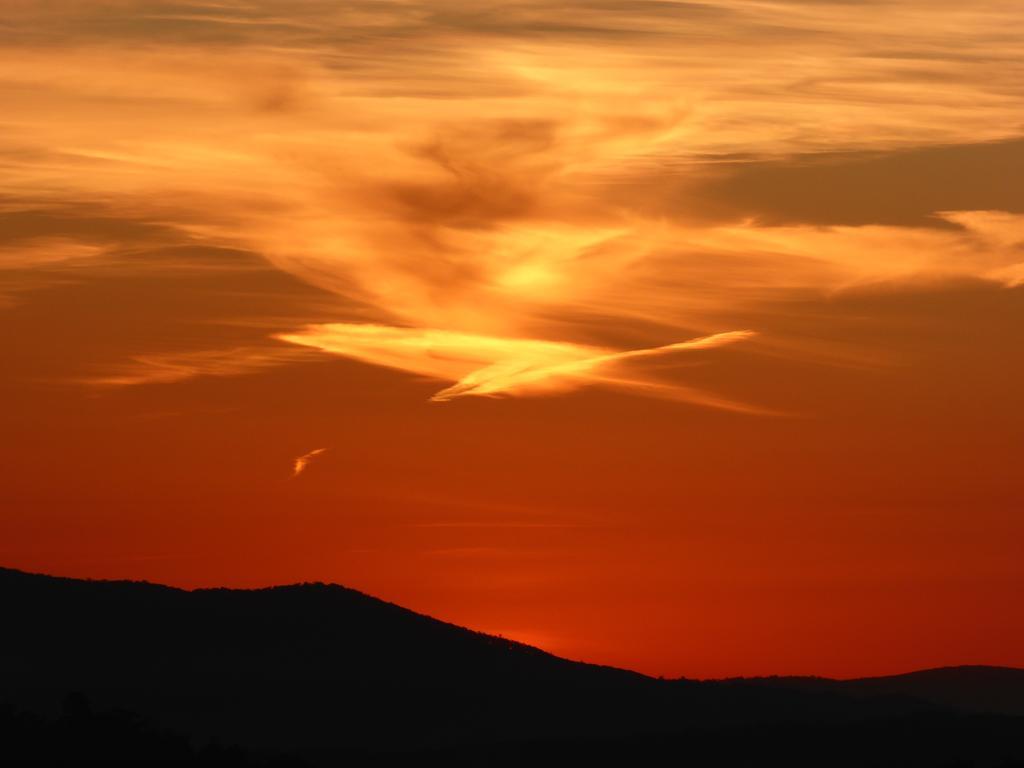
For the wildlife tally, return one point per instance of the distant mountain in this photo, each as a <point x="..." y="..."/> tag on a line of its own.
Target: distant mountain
<point x="330" y="674"/>
<point x="976" y="688"/>
<point x="114" y="633"/>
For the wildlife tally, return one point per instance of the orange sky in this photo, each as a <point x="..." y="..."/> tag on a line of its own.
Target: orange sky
<point x="681" y="336"/>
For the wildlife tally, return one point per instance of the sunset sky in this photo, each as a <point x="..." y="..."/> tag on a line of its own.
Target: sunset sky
<point x="680" y="336"/>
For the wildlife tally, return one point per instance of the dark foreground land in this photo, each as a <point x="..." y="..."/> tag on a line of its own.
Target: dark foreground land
<point x="124" y="673"/>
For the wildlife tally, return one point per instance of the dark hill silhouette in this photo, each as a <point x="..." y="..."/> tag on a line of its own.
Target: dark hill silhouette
<point x="976" y="688"/>
<point x="121" y="632"/>
<point x="330" y="674"/>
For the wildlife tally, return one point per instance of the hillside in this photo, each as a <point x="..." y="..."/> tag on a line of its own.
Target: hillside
<point x="326" y="672"/>
<point x="974" y="688"/>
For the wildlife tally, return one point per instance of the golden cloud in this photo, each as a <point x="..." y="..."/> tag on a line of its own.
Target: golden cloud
<point x="466" y="186"/>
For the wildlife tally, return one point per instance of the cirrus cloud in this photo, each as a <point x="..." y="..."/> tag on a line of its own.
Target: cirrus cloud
<point x="486" y="180"/>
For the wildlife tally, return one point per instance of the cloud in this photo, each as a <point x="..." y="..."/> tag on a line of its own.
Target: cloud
<point x="45" y="252"/>
<point x="169" y="368"/>
<point x="524" y="377"/>
<point x="488" y="366"/>
<point x="536" y="178"/>
<point x="902" y="188"/>
<point x="301" y="462"/>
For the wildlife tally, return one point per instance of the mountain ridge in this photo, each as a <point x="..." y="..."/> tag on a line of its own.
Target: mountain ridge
<point x="321" y="670"/>
<point x="958" y="669"/>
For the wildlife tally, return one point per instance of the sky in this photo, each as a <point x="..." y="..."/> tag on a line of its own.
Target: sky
<point x="680" y="336"/>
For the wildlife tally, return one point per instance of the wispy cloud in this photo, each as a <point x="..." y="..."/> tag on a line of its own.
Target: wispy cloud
<point x="45" y="251"/>
<point x="174" y="367"/>
<point x="491" y="366"/>
<point x="501" y="181"/>
<point x="301" y="462"/>
<point x="524" y="377"/>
